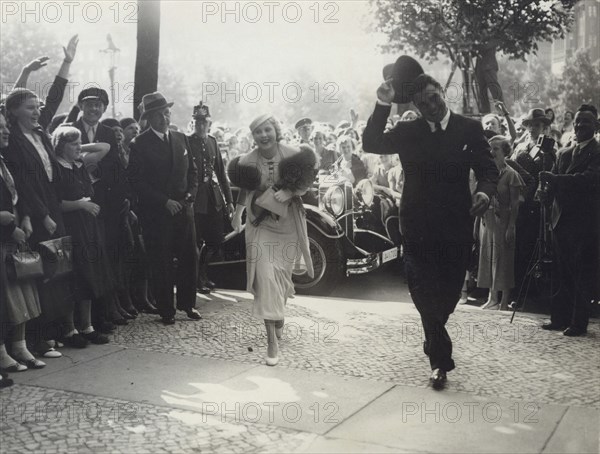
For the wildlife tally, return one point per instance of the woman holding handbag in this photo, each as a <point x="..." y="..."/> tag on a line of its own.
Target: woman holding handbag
<point x="275" y="243"/>
<point x="31" y="160"/>
<point x="19" y="300"/>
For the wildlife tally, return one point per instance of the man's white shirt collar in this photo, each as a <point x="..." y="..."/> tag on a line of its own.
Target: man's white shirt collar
<point x="161" y="135"/>
<point x="584" y="144"/>
<point x="444" y="122"/>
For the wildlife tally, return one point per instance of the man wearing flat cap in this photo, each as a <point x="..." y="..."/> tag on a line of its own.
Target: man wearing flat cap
<point x="304" y="127"/>
<point x="437" y="152"/>
<point x="213" y="199"/>
<point x="164" y="177"/>
<point x="111" y="189"/>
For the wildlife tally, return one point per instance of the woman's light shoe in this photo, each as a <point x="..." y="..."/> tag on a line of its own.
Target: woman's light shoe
<point x="272" y="361"/>
<point x="491" y="305"/>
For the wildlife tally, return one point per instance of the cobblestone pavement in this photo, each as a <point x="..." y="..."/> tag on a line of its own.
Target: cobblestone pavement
<point x="377" y="341"/>
<point x="36" y="419"/>
<point x="494" y="358"/>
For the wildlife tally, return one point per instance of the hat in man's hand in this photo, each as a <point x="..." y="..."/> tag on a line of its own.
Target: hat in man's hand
<point x="536" y="115"/>
<point x="93" y="93"/>
<point x="201" y="112"/>
<point x="403" y="74"/>
<point x="153" y="101"/>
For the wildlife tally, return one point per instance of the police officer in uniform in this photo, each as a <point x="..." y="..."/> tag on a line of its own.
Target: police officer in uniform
<point x="304" y="127"/>
<point x="213" y="200"/>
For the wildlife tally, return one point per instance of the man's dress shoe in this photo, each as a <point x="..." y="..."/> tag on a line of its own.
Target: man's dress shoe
<point x="168" y="320"/>
<point x="571" y="331"/>
<point x="553" y="327"/>
<point x="202" y="288"/>
<point x="148" y="309"/>
<point x="193" y="314"/>
<point x="438" y="379"/>
<point x="210" y="284"/>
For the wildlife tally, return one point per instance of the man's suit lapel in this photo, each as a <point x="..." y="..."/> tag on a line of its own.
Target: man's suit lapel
<point x="84" y="137"/>
<point x="582" y="158"/>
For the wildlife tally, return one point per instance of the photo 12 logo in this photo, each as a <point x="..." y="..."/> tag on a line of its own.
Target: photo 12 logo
<point x="254" y="12"/>
<point x="54" y="12"/>
<point x="254" y="92"/>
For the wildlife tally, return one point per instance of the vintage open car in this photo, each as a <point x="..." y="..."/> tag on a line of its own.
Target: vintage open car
<point x="350" y="231"/>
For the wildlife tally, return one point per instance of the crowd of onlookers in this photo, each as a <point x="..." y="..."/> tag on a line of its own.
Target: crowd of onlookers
<point x="66" y="175"/>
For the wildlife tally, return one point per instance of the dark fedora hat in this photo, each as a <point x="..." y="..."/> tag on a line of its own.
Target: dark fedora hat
<point x="536" y="115"/>
<point x="93" y="93"/>
<point x="403" y="74"/>
<point x="153" y="101"/>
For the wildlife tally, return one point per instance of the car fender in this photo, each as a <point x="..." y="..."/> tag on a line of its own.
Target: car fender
<point x="323" y="222"/>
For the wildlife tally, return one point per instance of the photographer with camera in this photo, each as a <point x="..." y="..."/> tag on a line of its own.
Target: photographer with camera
<point x="573" y="188"/>
<point x="535" y="154"/>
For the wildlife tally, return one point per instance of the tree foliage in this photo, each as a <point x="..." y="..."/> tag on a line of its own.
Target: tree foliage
<point x="20" y="44"/>
<point x="456" y="27"/>
<point x="579" y="83"/>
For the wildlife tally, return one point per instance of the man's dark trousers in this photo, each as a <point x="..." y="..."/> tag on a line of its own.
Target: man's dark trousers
<point x="436" y="273"/>
<point x="169" y="237"/>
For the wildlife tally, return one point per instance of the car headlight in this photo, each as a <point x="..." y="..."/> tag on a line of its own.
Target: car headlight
<point x="334" y="200"/>
<point x="365" y="192"/>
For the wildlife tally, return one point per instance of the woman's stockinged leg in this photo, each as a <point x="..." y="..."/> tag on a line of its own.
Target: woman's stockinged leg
<point x="272" y="346"/>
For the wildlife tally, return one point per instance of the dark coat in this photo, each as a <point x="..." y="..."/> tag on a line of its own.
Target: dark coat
<point x="576" y="189"/>
<point x="158" y="173"/>
<point x="221" y="191"/>
<point x="6" y="204"/>
<point x="112" y="188"/>
<point x="27" y="169"/>
<point x="436" y="199"/>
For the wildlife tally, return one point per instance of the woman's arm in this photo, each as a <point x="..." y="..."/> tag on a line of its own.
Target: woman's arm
<point x="236" y="221"/>
<point x="512" y="219"/>
<point x="92" y="153"/>
<point x="32" y="66"/>
<point x="67" y="206"/>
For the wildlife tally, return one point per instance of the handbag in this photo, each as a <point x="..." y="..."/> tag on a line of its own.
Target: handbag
<point x="268" y="202"/>
<point x="24" y="264"/>
<point x="57" y="256"/>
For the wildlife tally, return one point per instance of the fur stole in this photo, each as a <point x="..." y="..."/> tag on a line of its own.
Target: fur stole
<point x="296" y="172"/>
<point x="245" y="176"/>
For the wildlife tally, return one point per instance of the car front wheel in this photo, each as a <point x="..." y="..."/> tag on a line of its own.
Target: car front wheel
<point x="328" y="262"/>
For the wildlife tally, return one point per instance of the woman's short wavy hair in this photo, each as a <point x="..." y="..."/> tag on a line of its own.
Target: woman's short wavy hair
<point x="505" y="145"/>
<point x="276" y="127"/>
<point x="63" y="135"/>
<point x="345" y="139"/>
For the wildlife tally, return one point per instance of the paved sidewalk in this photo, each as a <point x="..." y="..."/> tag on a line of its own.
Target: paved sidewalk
<point x="352" y="378"/>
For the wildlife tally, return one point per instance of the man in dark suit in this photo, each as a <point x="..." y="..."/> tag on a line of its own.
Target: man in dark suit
<point x="573" y="186"/>
<point x="436" y="152"/>
<point x="111" y="193"/>
<point x="163" y="174"/>
<point x="213" y="196"/>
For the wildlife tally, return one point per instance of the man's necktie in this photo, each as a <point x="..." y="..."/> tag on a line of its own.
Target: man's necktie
<point x="166" y="139"/>
<point x="576" y="152"/>
<point x="438" y="128"/>
<point x="91" y="135"/>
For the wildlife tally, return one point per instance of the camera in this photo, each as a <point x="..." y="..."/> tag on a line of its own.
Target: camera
<point x="546" y="144"/>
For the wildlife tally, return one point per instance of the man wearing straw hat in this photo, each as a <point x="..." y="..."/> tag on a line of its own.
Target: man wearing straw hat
<point x="164" y="176"/>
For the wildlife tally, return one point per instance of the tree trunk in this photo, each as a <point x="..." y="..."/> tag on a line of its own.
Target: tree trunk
<point x="148" y="48"/>
<point x="466" y="91"/>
